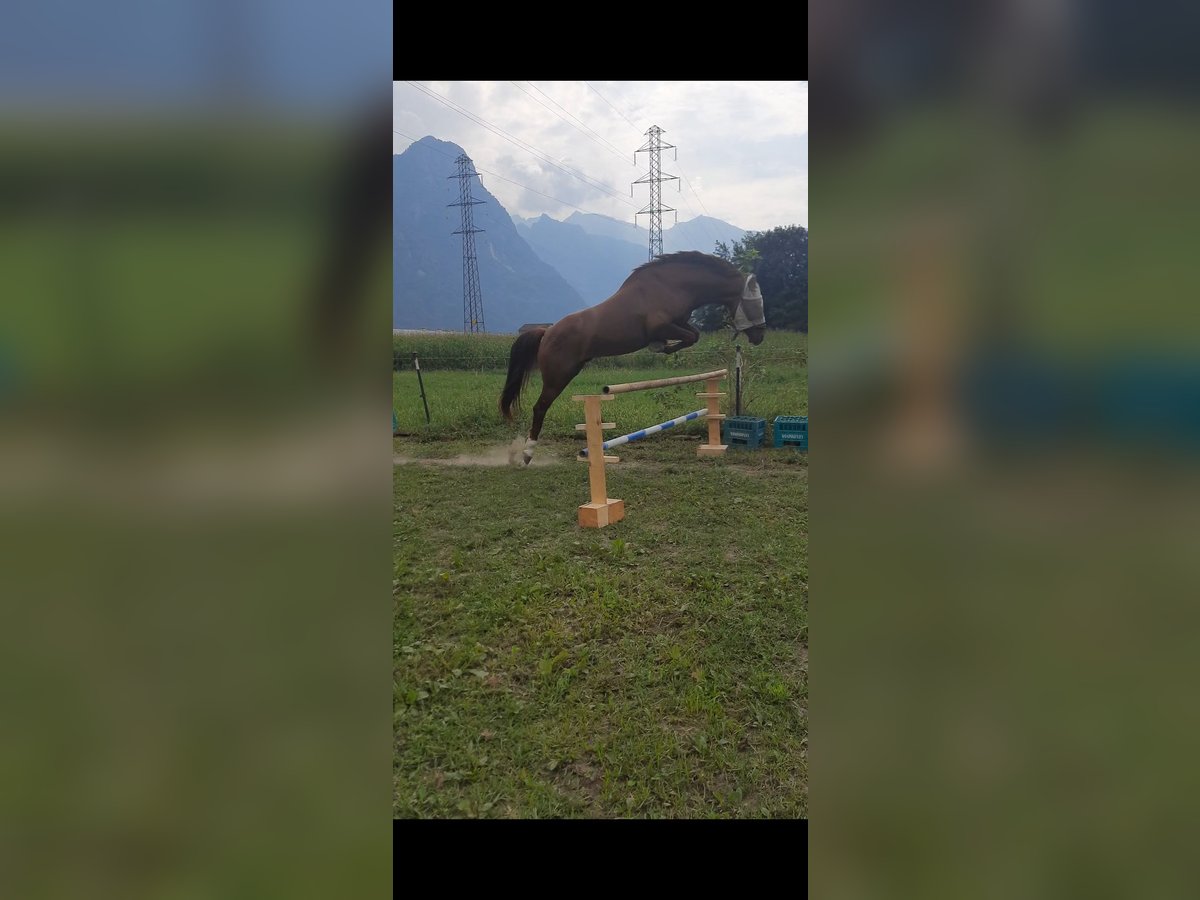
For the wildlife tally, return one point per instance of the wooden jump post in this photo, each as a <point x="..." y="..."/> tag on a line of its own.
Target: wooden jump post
<point x="602" y="510"/>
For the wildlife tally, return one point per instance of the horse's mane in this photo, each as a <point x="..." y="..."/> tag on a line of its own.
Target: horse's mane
<point x="714" y="264"/>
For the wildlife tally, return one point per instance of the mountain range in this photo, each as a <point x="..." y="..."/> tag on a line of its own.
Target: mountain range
<point x="700" y="233"/>
<point x="592" y="264"/>
<point x="595" y="253"/>
<point x="530" y="270"/>
<point x="427" y="270"/>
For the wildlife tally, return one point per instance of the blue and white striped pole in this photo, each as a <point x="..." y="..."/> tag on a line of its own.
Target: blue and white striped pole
<point x="646" y="432"/>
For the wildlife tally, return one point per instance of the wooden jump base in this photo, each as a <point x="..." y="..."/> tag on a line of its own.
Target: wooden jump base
<point x="603" y="510"/>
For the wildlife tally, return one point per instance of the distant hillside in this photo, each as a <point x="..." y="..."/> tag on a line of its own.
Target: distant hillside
<point x="595" y="253"/>
<point x="593" y="265"/>
<point x="604" y="226"/>
<point x="517" y="286"/>
<point x="700" y="233"/>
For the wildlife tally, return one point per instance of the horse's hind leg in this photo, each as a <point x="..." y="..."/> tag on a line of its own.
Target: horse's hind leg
<point x="679" y="336"/>
<point x="549" y="395"/>
<point x="553" y="384"/>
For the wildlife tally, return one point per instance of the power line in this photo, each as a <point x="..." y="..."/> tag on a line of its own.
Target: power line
<point x="704" y="223"/>
<point x="597" y="139"/>
<point x="502" y="178"/>
<point x="472" y="297"/>
<point x="614" y="109"/>
<point x="541" y="155"/>
<point x="693" y="190"/>
<point x="604" y="142"/>
<point x="708" y="229"/>
<point x="711" y="233"/>
<point x="526" y="187"/>
<point x="529" y="148"/>
<point x="654" y="146"/>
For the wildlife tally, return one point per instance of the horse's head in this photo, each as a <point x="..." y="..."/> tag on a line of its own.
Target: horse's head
<point x="749" y="316"/>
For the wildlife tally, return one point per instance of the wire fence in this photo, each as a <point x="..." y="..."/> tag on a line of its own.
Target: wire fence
<point x="450" y="351"/>
<point x="501" y="364"/>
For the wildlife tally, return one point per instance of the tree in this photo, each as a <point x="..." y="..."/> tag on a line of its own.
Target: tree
<point x="782" y="270"/>
<point x="779" y="258"/>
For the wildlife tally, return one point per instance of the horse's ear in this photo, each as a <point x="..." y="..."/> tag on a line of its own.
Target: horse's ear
<point x="752" y="282"/>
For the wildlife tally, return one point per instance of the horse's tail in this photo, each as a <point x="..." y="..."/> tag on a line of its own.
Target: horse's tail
<point x="521" y="360"/>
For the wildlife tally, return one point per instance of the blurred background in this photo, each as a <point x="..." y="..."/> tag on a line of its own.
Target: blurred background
<point x="194" y="467"/>
<point x="1005" y="397"/>
<point x="193" y="480"/>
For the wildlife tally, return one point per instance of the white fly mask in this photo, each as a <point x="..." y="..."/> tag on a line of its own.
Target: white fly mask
<point x="750" y="310"/>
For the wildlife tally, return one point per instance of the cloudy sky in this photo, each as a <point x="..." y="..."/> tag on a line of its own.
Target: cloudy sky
<point x="567" y="145"/>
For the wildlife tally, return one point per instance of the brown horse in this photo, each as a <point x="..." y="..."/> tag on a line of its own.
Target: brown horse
<point x="650" y="309"/>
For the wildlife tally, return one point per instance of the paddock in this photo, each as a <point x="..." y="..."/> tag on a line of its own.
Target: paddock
<point x="543" y="670"/>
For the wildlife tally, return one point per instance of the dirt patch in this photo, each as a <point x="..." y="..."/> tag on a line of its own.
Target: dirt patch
<point x="510" y="456"/>
<point x="591" y="779"/>
<point x="496" y="457"/>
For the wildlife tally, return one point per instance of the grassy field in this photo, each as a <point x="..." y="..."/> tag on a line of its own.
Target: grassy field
<point x="462" y="385"/>
<point x="655" y="668"/>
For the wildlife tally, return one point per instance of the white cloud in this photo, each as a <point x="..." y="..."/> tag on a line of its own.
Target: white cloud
<point x="743" y="146"/>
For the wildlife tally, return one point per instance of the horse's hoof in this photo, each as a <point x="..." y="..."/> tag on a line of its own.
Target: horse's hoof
<point x="657" y="346"/>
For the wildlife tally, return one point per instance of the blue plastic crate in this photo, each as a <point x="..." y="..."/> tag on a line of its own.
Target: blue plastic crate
<point x="747" y="432"/>
<point x="791" y="431"/>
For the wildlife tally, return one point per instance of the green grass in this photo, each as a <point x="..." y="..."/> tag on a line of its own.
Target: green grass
<point x="464" y="403"/>
<point x="654" y="668"/>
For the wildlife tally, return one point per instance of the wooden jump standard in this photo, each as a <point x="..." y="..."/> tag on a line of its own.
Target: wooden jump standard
<point x="603" y="510"/>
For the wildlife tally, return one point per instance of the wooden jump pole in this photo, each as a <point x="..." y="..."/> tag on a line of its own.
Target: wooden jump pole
<point x="603" y="510"/>
<point x="662" y="382"/>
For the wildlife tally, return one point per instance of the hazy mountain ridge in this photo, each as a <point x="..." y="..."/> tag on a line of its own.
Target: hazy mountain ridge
<point x="595" y="253"/>
<point x="427" y="273"/>
<point x="593" y="265"/>
<point x="700" y="233"/>
<point x="530" y="270"/>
